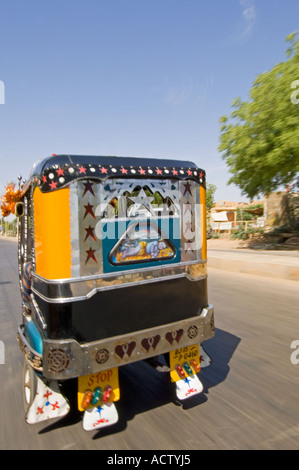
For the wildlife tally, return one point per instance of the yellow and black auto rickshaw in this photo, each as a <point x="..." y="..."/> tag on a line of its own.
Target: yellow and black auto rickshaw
<point x="112" y="267"/>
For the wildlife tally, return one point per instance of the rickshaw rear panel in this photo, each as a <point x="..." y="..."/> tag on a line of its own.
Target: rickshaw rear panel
<point x="112" y="265"/>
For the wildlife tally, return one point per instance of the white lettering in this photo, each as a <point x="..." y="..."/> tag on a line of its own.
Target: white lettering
<point x="295" y="354"/>
<point x="2" y="353"/>
<point x="295" y="94"/>
<point x="2" y="92"/>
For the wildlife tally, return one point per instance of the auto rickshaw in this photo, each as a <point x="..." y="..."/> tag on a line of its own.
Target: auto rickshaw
<point x="112" y="269"/>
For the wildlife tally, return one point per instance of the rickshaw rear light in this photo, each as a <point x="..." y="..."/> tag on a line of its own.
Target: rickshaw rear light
<point x="96" y="395"/>
<point x="195" y="365"/>
<point x="187" y="368"/>
<point x="180" y="371"/>
<point x="107" y="393"/>
<point x="86" y="400"/>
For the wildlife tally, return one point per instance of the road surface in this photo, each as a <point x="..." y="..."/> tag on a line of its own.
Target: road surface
<point x="250" y="398"/>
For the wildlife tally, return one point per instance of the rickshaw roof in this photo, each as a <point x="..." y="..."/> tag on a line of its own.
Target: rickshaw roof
<point x="57" y="171"/>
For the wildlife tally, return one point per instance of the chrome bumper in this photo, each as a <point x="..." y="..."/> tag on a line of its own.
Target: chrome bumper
<point x="65" y="359"/>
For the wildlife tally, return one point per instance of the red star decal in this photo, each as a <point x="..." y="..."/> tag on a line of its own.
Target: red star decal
<point x="189" y="246"/>
<point x="44" y="179"/>
<point x="201" y="174"/>
<point x="188" y="226"/>
<point x="89" y="233"/>
<point x="174" y="172"/>
<point x="188" y="208"/>
<point x="53" y="185"/>
<point x="159" y="172"/>
<point x="82" y="169"/>
<point x="187" y="189"/>
<point x="88" y="210"/>
<point x="90" y="254"/>
<point x="141" y="171"/>
<point x="104" y="170"/>
<point x="88" y="187"/>
<point x="60" y="172"/>
<point x="189" y="172"/>
<point x="124" y="171"/>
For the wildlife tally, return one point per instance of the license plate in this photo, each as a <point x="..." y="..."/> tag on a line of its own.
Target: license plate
<point x="180" y="356"/>
<point x="99" y="379"/>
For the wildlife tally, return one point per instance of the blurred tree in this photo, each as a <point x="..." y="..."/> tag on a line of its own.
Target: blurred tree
<point x="211" y="188"/>
<point x="260" y="139"/>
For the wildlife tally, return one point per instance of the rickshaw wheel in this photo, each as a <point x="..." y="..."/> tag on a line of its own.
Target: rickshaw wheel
<point x="29" y="385"/>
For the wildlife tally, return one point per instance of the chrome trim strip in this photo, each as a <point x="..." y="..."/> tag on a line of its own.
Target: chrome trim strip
<point x="64" y="359"/>
<point x="72" y="290"/>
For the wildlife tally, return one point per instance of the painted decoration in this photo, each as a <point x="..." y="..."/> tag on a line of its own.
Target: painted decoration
<point x="100" y="417"/>
<point x="142" y="244"/>
<point x="47" y="404"/>
<point x="188" y="387"/>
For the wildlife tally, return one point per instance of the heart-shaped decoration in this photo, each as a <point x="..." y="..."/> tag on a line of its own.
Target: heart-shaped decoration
<point x="125" y="348"/>
<point x="175" y="335"/>
<point x="150" y="342"/>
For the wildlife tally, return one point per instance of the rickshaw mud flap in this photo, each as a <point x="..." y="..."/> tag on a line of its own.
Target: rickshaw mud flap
<point x="48" y="403"/>
<point x="188" y="387"/>
<point x="65" y="359"/>
<point x="100" y="417"/>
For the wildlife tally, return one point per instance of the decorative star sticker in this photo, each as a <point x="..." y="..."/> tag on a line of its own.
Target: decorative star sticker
<point x="188" y="208"/>
<point x="90" y="255"/>
<point x="174" y="172"/>
<point x="189" y="172"/>
<point x="188" y="226"/>
<point x="143" y="200"/>
<point x="53" y="185"/>
<point x="187" y="188"/>
<point x="82" y="169"/>
<point x="88" y="187"/>
<point x="88" y="210"/>
<point x="141" y="171"/>
<point x="104" y="170"/>
<point x="187" y="380"/>
<point x="189" y="246"/>
<point x="124" y="171"/>
<point x="90" y="233"/>
<point x="60" y="172"/>
<point x="159" y="172"/>
<point x="44" y="179"/>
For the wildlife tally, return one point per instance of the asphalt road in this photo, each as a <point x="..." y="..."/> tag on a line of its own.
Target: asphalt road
<point x="250" y="398"/>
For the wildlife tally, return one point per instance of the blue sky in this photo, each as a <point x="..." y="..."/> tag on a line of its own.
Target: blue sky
<point x="146" y="78"/>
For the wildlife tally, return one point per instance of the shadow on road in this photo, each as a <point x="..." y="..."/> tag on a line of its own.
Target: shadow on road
<point x="221" y="349"/>
<point x="142" y="388"/>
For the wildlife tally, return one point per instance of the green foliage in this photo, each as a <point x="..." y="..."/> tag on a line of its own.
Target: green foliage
<point x="211" y="188"/>
<point x="243" y="215"/>
<point x="260" y="139"/>
<point x="243" y="234"/>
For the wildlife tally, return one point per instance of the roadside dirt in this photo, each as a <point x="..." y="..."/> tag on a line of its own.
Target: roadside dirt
<point x="225" y="244"/>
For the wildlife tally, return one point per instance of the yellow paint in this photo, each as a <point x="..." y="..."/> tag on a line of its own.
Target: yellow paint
<point x="203" y="222"/>
<point x="99" y="379"/>
<point x="52" y="233"/>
